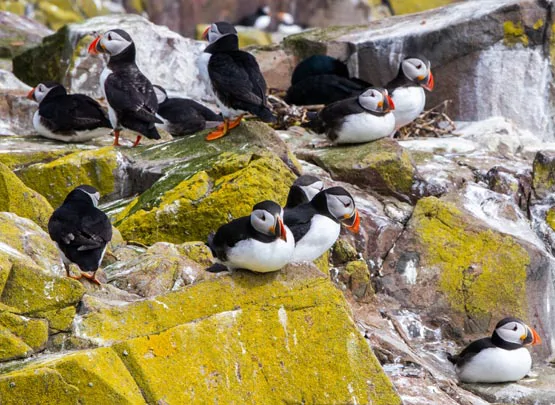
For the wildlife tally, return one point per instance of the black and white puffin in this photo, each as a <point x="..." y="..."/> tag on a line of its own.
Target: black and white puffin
<point x="358" y="119"/>
<point x="303" y="190"/>
<point x="81" y="230"/>
<point x="261" y="19"/>
<point x="131" y="99"/>
<point x="259" y="242"/>
<point x="183" y="116"/>
<point x="67" y="117"/>
<point x="286" y="24"/>
<point x="316" y="225"/>
<point x="503" y="357"/>
<point x="407" y="90"/>
<point x="321" y="79"/>
<point x="234" y="77"/>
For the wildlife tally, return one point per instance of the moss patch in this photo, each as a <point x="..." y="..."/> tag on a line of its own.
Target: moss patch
<point x="514" y="33"/>
<point x="33" y="332"/>
<point x="415" y="6"/>
<point x="18" y="160"/>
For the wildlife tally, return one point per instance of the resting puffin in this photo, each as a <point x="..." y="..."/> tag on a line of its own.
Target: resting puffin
<point x="234" y="77"/>
<point x="261" y="19"/>
<point x="321" y="79"/>
<point x="81" y="231"/>
<point x="259" y="242"/>
<point x="67" y="117"/>
<point x="358" y="119"/>
<point x="407" y="90"/>
<point x="184" y="116"/>
<point x="303" y="190"/>
<point x="131" y="99"/>
<point x="316" y="224"/>
<point x="286" y="24"/>
<point x="501" y="358"/>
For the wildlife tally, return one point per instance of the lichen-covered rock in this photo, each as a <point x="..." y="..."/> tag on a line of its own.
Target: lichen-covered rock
<point x="19" y="159"/>
<point x="18" y="33"/>
<point x="55" y="179"/>
<point x="198" y="252"/>
<point x="12" y="347"/>
<point x="59" y="320"/>
<point x="16" y="197"/>
<point x="543" y="174"/>
<point x="32" y="332"/>
<point x="357" y="277"/>
<point x="86" y="377"/>
<point x="412" y="6"/>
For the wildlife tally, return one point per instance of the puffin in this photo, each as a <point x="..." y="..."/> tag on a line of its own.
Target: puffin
<point x="286" y="24"/>
<point x="503" y="357"/>
<point x="234" y="77"/>
<point x="67" y="117"/>
<point x="407" y="90"/>
<point x="81" y="231"/>
<point x="183" y="116"/>
<point x="321" y="79"/>
<point x="304" y="188"/>
<point x="131" y="99"/>
<point x="261" y="19"/>
<point x="259" y="242"/>
<point x="316" y="224"/>
<point x="357" y="119"/>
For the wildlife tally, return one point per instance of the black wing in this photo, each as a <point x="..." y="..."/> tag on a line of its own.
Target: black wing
<point x="470" y="351"/>
<point x="95" y="231"/>
<point x="228" y="235"/>
<point x="298" y="219"/>
<point x="75" y="112"/>
<point x="323" y="89"/>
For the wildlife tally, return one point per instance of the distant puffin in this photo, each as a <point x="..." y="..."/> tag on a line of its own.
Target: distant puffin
<point x="501" y="358"/>
<point x="286" y="24"/>
<point x="321" y="79"/>
<point x="261" y="19"/>
<point x="316" y="224"/>
<point x="234" y="77"/>
<point x="131" y="99"/>
<point x="67" y="117"/>
<point x="81" y="231"/>
<point x="358" y="119"/>
<point x="407" y="90"/>
<point x="184" y="116"/>
<point x="259" y="242"/>
<point x="303" y="190"/>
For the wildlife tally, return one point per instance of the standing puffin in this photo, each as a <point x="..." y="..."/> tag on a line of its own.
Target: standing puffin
<point x="303" y="190"/>
<point x="407" y="90"/>
<point x="67" y="117"/>
<point x="259" y="242"/>
<point x="183" y="116"/>
<point x="261" y="19"/>
<point x="358" y="119"/>
<point x="316" y="224"/>
<point x="234" y="77"/>
<point x="81" y="231"/>
<point x="501" y="358"/>
<point x="131" y="99"/>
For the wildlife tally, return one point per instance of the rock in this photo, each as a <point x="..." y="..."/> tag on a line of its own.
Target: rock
<point x="518" y="185"/>
<point x="16" y="197"/>
<point x="276" y="65"/>
<point x="198" y="252"/>
<point x="543" y="176"/>
<point x="11" y="347"/>
<point x="17" y="34"/>
<point x="482" y="43"/>
<point x="88" y="377"/>
<point x="33" y="332"/>
<point x="59" y="320"/>
<point x="407" y="7"/>
<point x="63" y="57"/>
<point x="357" y="277"/>
<point x="343" y="251"/>
<point x="17" y="110"/>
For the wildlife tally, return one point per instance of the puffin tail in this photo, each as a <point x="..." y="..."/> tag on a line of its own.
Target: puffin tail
<point x="152" y="132"/>
<point x="265" y="114"/>
<point x="314" y="122"/>
<point x="452" y="358"/>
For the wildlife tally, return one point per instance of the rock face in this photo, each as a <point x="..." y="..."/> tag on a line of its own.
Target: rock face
<point x="478" y="46"/>
<point x="18" y="34"/>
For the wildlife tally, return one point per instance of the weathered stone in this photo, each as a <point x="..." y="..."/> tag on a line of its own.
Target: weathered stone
<point x="32" y="332"/>
<point x="12" y="347"/>
<point x="17" y="113"/>
<point x="411" y="6"/>
<point x="544" y="174"/>
<point x="21" y="200"/>
<point x="59" y="320"/>
<point x="276" y="65"/>
<point x="357" y="278"/>
<point x="198" y="252"/>
<point x="18" y="34"/>
<point x="343" y="251"/>
<point x="17" y="160"/>
<point x="517" y="185"/>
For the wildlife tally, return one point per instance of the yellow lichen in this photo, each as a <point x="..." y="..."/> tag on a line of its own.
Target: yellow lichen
<point x="415" y="6"/>
<point x="514" y="34"/>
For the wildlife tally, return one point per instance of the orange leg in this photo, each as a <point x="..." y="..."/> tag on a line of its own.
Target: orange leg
<point x="72" y="276"/>
<point x="116" y="139"/>
<point x="220" y="131"/>
<point x="235" y="122"/>
<point x="136" y="143"/>
<point x="91" y="278"/>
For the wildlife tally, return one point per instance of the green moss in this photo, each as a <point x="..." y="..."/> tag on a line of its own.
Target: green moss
<point x="18" y="160"/>
<point x="12" y="347"/>
<point x="58" y="319"/>
<point x="343" y="251"/>
<point x="323" y="263"/>
<point x="415" y="6"/>
<point x="197" y="252"/>
<point x="482" y="272"/>
<point x="514" y="33"/>
<point x="359" y="278"/>
<point x="33" y="332"/>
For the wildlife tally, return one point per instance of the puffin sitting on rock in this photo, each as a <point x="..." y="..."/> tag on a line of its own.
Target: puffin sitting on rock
<point x="183" y="116"/>
<point x="303" y="190"/>
<point x="503" y="357"/>
<point x="358" y="119"/>
<point x="81" y="231"/>
<point x="316" y="224"/>
<point x="259" y="242"/>
<point x="131" y="99"/>
<point x="234" y="77"/>
<point x="67" y="117"/>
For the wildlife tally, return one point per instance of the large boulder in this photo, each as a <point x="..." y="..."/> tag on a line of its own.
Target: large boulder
<point x="473" y="47"/>
<point x="18" y="34"/>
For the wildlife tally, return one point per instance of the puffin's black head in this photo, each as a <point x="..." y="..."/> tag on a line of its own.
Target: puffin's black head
<point x="116" y="43"/>
<point x="338" y="204"/>
<point x="43" y="89"/>
<point x="303" y="190"/>
<point x="84" y="193"/>
<point x="161" y="94"/>
<point x="218" y="30"/>
<point x="263" y="10"/>
<point x="319" y="65"/>
<point x="418" y="70"/>
<point x="512" y="333"/>
<point x="376" y="100"/>
<point x="266" y="219"/>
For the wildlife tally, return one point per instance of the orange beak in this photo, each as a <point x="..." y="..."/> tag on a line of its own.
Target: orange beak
<point x="205" y="34"/>
<point x="93" y="50"/>
<point x="31" y="94"/>
<point x="355" y="226"/>
<point x="390" y="103"/>
<point x="282" y="231"/>
<point x="536" y="340"/>
<point x="430" y="83"/>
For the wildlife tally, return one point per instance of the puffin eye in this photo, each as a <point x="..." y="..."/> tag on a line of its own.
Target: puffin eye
<point x="515" y="328"/>
<point x="419" y="66"/>
<point x="109" y="37"/>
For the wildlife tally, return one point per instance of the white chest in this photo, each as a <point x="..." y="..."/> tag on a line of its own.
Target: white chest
<point x="262" y="22"/>
<point x="321" y="236"/>
<point x="111" y="113"/>
<point x="496" y="365"/>
<point x="409" y="104"/>
<point x="365" y="127"/>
